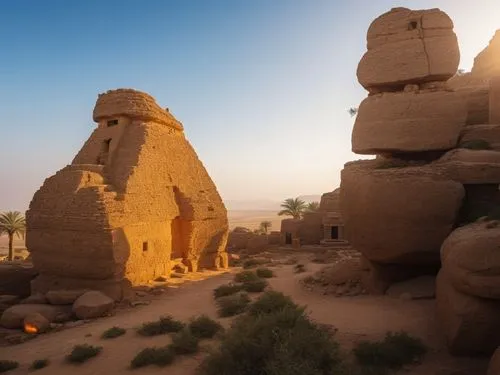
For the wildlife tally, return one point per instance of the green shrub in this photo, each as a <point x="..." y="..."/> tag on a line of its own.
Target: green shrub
<point x="39" y="364"/>
<point x="245" y="276"/>
<point x="184" y="342"/>
<point x="395" y="351"/>
<point x="264" y="273"/>
<point x="226" y="290"/>
<point x="250" y="263"/>
<point x="113" y="332"/>
<point x="476" y="144"/>
<point x="166" y="324"/>
<point x="284" y="342"/>
<point x="255" y="286"/>
<point x="153" y="356"/>
<point x="204" y="327"/>
<point x="232" y="305"/>
<point x="6" y="365"/>
<point x="271" y="302"/>
<point x="82" y="353"/>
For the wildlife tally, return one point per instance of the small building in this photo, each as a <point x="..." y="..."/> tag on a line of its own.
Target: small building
<point x="333" y="225"/>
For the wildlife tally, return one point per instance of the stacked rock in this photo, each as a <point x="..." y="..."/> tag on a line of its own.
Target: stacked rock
<point x="437" y="165"/>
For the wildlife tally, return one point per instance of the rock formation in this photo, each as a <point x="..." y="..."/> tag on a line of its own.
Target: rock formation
<point x="134" y="198"/>
<point x="437" y="168"/>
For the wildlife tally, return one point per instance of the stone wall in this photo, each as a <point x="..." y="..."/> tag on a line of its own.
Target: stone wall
<point x="135" y="196"/>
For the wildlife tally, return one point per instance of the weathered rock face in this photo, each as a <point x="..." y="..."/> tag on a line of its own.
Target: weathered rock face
<point x="15" y="279"/>
<point x="494" y="107"/>
<point x="470" y="324"/>
<point x="408" y="122"/>
<point x="92" y="304"/>
<point x="134" y="197"/>
<point x="392" y="217"/>
<point x="487" y="63"/>
<point x="471" y="258"/>
<point x="63" y="297"/>
<point x="330" y="202"/>
<point x="407" y="46"/>
<point x="488" y="132"/>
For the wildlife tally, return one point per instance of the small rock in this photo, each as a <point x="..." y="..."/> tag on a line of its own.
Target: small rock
<point x="141" y="294"/>
<point x="63" y="297"/>
<point x="37" y="298"/>
<point x="36" y="322"/>
<point x="181" y="268"/>
<point x="139" y="303"/>
<point x="92" y="304"/>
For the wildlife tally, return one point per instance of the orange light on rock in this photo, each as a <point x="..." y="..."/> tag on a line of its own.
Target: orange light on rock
<point x="30" y="328"/>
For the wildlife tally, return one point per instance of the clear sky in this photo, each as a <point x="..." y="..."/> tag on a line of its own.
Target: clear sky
<point x="261" y="86"/>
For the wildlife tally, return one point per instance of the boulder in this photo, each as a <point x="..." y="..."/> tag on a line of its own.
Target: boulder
<point x="395" y="217"/>
<point x="15" y="278"/>
<point x="406" y="46"/>
<point x="408" y="122"/>
<point x="36" y="323"/>
<point x="92" y="304"/>
<point x="14" y="316"/>
<point x="487" y="62"/>
<point x="470" y="324"/>
<point x="494" y="366"/>
<point x="482" y="132"/>
<point x="63" y="297"/>
<point x="37" y="298"/>
<point x="471" y="258"/>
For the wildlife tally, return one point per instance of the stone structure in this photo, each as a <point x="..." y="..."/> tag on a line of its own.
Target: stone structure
<point x="134" y="198"/>
<point x="437" y="168"/>
<point x="333" y="225"/>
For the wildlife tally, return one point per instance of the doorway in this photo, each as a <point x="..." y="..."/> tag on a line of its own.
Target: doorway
<point x="335" y="233"/>
<point x="288" y="238"/>
<point x="103" y="156"/>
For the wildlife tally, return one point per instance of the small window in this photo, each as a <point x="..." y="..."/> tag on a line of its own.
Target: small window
<point x="112" y="122"/>
<point x="412" y="25"/>
<point x="145" y="246"/>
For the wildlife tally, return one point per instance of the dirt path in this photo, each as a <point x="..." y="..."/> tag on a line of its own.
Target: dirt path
<point x="355" y="318"/>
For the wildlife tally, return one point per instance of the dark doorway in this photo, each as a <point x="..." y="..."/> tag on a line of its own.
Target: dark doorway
<point x="335" y="233"/>
<point x="103" y="156"/>
<point x="288" y="238"/>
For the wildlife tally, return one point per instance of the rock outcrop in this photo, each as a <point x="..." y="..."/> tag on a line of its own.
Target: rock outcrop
<point x="437" y="168"/>
<point x="407" y="46"/>
<point x="134" y="197"/>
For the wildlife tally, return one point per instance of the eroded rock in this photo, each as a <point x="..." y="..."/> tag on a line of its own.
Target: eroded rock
<point x="63" y="297"/>
<point x="92" y="304"/>
<point x="14" y="316"/>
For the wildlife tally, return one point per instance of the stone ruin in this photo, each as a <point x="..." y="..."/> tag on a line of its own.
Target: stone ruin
<point x="135" y="202"/>
<point x="430" y="201"/>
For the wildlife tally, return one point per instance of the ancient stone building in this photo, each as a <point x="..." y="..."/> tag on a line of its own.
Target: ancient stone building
<point x="332" y="223"/>
<point x="414" y="209"/>
<point x="135" y="200"/>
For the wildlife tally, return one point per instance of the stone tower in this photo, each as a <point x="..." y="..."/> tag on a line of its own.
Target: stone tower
<point x="135" y="199"/>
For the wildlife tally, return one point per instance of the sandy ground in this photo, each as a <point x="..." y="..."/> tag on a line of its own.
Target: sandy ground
<point x="362" y="317"/>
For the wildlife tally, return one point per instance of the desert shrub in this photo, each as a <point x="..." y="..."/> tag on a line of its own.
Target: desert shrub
<point x="283" y="342"/>
<point x="113" y="332"/>
<point x="153" y="356"/>
<point x="38" y="364"/>
<point x="184" y="342"/>
<point x="271" y="302"/>
<point x="166" y="324"/>
<point x="204" y="327"/>
<point x="6" y="365"/>
<point x="245" y="276"/>
<point x="82" y="353"/>
<point x="299" y="268"/>
<point x="264" y="273"/>
<point x="395" y="351"/>
<point x="226" y="290"/>
<point x="476" y="144"/>
<point x="232" y="305"/>
<point x="255" y="286"/>
<point x="251" y="263"/>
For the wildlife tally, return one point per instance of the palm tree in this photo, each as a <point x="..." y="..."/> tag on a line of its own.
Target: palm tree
<point x="293" y="207"/>
<point x="312" y="207"/>
<point x="264" y="226"/>
<point x="12" y="223"/>
<point x="353" y="111"/>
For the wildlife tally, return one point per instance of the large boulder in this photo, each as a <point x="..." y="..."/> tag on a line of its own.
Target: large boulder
<point x="394" y="217"/>
<point x="471" y="258"/>
<point x="14" y="316"/>
<point x="15" y="278"/>
<point x="92" y="304"/>
<point x="487" y="62"/>
<point x="470" y="324"/>
<point x="407" y="46"/>
<point x="36" y="323"/>
<point x="408" y="122"/>
<point x="63" y="297"/>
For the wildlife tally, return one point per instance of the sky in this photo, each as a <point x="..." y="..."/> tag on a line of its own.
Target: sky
<point x="261" y="86"/>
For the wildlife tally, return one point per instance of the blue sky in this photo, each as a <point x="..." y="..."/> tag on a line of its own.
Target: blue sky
<point x="261" y="86"/>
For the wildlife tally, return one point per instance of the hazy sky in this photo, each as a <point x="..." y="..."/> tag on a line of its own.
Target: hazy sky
<point x="261" y="86"/>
